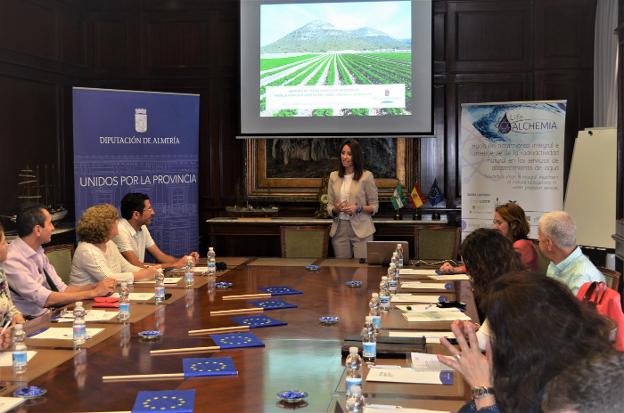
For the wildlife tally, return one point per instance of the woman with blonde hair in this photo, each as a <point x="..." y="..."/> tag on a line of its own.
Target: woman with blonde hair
<point x="96" y="256"/>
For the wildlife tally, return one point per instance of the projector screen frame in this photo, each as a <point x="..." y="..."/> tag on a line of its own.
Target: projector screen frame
<point x="329" y="126"/>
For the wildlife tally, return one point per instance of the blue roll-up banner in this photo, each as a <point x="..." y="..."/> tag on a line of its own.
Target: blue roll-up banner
<point x="131" y="141"/>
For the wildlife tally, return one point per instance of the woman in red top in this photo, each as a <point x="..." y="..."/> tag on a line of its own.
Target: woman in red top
<point x="511" y="221"/>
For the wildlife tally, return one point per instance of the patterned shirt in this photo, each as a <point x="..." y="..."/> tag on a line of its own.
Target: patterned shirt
<point x="574" y="271"/>
<point x="7" y="308"/>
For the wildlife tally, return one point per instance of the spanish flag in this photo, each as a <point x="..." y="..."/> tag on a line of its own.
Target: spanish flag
<point x="416" y="198"/>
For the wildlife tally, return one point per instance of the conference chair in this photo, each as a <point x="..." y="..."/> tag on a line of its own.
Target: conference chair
<point x="60" y="257"/>
<point x="438" y="244"/>
<point x="304" y="241"/>
<point x="612" y="278"/>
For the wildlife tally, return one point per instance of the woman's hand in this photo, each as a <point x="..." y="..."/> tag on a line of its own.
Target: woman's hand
<point x="447" y="268"/>
<point x="18" y="318"/>
<point x="350" y="209"/>
<point x="468" y="360"/>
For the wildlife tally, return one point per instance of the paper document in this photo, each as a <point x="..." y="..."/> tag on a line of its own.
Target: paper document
<point x="409" y="375"/>
<point x="431" y="337"/>
<point x="6" y="357"/>
<point x="64" y="333"/>
<point x="8" y="403"/>
<point x="91" y="315"/>
<point x="417" y="285"/>
<point x="414" y="298"/>
<point x="199" y="269"/>
<point x="450" y="277"/>
<point x="427" y="362"/>
<point x="419" y="308"/>
<point x="413" y="271"/>
<point x="167" y="280"/>
<point x="435" y="316"/>
<point x="384" y="408"/>
<point x="137" y="296"/>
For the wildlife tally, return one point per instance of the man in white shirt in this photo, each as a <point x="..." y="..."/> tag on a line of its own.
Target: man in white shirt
<point x="134" y="237"/>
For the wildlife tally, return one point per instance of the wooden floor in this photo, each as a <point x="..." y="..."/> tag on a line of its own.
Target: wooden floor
<point x="301" y="355"/>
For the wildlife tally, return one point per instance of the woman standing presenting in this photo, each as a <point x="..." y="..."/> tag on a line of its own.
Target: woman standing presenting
<point x="352" y="199"/>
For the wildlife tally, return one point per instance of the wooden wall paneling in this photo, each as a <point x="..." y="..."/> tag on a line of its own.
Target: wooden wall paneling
<point x="72" y="36"/>
<point x="564" y="33"/>
<point x="487" y="36"/>
<point x="577" y="87"/>
<point x="114" y="45"/>
<point x="432" y="150"/>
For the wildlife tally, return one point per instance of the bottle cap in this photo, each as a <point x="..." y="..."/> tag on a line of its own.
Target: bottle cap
<point x="369" y="319"/>
<point x="385" y="277"/>
<point x="124" y="284"/>
<point x="353" y="350"/>
<point x="210" y="249"/>
<point x="392" y="265"/>
<point x="78" y="303"/>
<point x="399" y="246"/>
<point x="18" y="327"/>
<point x="375" y="295"/>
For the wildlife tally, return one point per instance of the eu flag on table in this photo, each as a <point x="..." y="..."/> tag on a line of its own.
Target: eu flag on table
<point x="280" y="290"/>
<point x="257" y="321"/>
<point x="236" y="340"/>
<point x="271" y="304"/>
<point x="435" y="195"/>
<point x="166" y="401"/>
<point x="209" y="366"/>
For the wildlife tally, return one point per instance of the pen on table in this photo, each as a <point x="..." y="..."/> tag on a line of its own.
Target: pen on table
<point x="6" y="325"/>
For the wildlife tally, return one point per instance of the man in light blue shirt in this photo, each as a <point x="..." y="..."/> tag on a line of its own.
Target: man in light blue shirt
<point x="556" y="233"/>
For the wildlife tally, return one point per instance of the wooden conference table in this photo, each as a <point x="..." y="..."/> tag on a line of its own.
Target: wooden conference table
<point x="301" y="355"/>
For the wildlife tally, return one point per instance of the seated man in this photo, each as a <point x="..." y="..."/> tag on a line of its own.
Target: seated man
<point x="33" y="282"/>
<point x="134" y="237"/>
<point x="556" y="233"/>
<point x="592" y="385"/>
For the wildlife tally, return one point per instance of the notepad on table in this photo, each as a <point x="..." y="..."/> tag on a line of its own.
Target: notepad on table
<point x="64" y="333"/>
<point x="384" y="408"/>
<point x="137" y="296"/>
<point x="409" y="375"/>
<point x="431" y="337"/>
<point x="417" y="285"/>
<point x="414" y="271"/>
<point x="167" y="280"/>
<point x="414" y="298"/>
<point x="435" y="316"/>
<point x="8" y="403"/>
<point x="450" y="277"/>
<point x="6" y="358"/>
<point x="419" y="308"/>
<point x="90" y="316"/>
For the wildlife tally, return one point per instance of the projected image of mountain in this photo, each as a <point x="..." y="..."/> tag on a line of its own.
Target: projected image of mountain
<point x="322" y="37"/>
<point x="337" y="68"/>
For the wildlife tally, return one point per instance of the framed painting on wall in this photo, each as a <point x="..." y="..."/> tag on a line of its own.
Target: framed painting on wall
<point x="293" y="169"/>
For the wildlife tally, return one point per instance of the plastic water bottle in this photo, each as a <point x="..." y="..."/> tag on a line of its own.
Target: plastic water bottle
<point x="79" y="327"/>
<point x="384" y="294"/>
<point x="392" y="281"/>
<point x="353" y="364"/>
<point x="212" y="262"/>
<point x="159" y="288"/>
<point x="189" y="278"/>
<point x="355" y="401"/>
<point x="399" y="251"/>
<point x="369" y="342"/>
<point x="373" y="306"/>
<point x="20" y="356"/>
<point x="124" y="302"/>
<point x="394" y="259"/>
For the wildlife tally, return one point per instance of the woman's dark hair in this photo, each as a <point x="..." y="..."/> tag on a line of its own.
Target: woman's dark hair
<point x="514" y="215"/>
<point x="356" y="157"/>
<point x="488" y="255"/>
<point x="539" y="328"/>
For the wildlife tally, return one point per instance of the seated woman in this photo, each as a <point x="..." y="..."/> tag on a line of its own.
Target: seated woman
<point x="487" y="255"/>
<point x="96" y="256"/>
<point x="509" y="220"/>
<point x="9" y="315"/>
<point x="538" y="329"/>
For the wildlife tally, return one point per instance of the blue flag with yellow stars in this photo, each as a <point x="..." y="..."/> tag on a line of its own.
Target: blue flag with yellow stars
<point x="435" y="195"/>
<point x="280" y="290"/>
<point x="257" y="321"/>
<point x="209" y="366"/>
<point x="165" y="401"/>
<point x="236" y="340"/>
<point x="271" y="304"/>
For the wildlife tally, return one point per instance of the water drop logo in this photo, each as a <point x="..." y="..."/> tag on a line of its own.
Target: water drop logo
<point x="504" y="126"/>
<point x="140" y="120"/>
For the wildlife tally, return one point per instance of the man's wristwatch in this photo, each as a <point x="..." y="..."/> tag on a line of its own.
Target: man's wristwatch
<point x="359" y="209"/>
<point x="479" y="392"/>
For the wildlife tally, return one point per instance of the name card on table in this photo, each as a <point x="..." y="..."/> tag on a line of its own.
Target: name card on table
<point x="416" y="298"/>
<point x="417" y="285"/>
<point x="431" y="337"/>
<point x="395" y="374"/>
<point x="450" y="277"/>
<point x="435" y="316"/>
